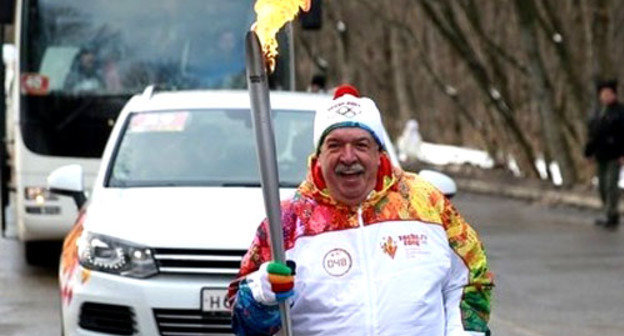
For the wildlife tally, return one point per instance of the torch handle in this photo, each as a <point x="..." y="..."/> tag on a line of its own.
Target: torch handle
<point x="257" y="83"/>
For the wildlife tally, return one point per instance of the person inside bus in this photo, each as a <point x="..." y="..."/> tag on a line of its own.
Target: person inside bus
<point x="227" y="69"/>
<point x="84" y="74"/>
<point x="110" y="73"/>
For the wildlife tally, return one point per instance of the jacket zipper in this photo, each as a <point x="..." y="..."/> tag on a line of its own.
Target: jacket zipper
<point x="371" y="290"/>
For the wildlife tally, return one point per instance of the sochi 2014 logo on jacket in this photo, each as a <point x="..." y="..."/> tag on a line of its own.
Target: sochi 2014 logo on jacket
<point x="389" y="246"/>
<point x="412" y="244"/>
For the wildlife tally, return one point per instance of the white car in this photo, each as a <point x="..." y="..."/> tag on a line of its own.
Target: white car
<point x="174" y="207"/>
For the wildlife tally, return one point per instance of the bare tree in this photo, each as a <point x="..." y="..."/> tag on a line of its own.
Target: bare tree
<point x="446" y="23"/>
<point x="543" y="92"/>
<point x="512" y="77"/>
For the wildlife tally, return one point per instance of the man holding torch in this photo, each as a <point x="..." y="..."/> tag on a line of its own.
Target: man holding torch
<point x="377" y="251"/>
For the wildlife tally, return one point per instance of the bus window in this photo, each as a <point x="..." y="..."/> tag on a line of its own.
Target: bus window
<point x="93" y="55"/>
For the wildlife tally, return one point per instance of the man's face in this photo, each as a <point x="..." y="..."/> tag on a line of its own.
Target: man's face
<point x="607" y="96"/>
<point x="349" y="160"/>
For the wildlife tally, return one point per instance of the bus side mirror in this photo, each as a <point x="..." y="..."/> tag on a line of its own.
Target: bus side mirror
<point x="312" y="19"/>
<point x="7" y="10"/>
<point x="443" y="182"/>
<point x="68" y="181"/>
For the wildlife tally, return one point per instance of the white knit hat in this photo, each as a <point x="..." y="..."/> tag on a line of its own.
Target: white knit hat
<point x="348" y="109"/>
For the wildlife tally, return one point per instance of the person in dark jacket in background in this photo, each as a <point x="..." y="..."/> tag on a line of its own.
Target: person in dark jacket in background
<point x="606" y="145"/>
<point x="317" y="85"/>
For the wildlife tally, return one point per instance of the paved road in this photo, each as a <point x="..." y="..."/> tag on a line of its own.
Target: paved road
<point x="556" y="274"/>
<point x="29" y="298"/>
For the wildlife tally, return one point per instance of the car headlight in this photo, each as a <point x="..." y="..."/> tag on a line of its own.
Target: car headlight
<point x="111" y="255"/>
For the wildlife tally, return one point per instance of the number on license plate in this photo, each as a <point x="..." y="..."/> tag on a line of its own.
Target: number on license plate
<point x="213" y="300"/>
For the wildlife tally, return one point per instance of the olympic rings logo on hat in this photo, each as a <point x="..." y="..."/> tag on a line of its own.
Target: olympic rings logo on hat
<point x="348" y="111"/>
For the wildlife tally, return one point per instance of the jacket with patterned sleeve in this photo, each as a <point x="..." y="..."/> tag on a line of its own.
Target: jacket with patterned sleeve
<point x="403" y="263"/>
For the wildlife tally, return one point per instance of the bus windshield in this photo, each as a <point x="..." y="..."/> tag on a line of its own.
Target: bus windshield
<point x="116" y="47"/>
<point x="80" y="61"/>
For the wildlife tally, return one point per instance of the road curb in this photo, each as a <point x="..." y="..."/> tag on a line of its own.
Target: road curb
<point x="553" y="197"/>
<point x="494" y="182"/>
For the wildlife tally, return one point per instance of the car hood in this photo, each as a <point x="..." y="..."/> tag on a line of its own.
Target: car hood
<point x="204" y="218"/>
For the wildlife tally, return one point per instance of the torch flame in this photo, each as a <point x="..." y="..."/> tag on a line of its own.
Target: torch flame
<point x="271" y="16"/>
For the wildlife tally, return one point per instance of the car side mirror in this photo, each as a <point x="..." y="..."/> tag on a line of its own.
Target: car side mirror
<point x="443" y="182"/>
<point x="7" y="10"/>
<point x="8" y="53"/>
<point x="68" y="181"/>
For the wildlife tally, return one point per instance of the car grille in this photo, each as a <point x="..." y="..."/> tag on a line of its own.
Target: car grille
<point x="189" y="322"/>
<point x="195" y="261"/>
<point x="106" y="318"/>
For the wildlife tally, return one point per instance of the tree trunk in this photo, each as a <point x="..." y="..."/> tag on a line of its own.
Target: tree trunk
<point x="602" y="64"/>
<point x="398" y="76"/>
<point x="450" y="30"/>
<point x="342" y="31"/>
<point x="542" y="92"/>
<point x="553" y="27"/>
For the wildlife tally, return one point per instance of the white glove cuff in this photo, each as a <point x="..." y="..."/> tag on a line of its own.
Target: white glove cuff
<point x="260" y="286"/>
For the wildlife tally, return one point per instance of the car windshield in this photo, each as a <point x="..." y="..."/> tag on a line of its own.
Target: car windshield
<point x="207" y="148"/>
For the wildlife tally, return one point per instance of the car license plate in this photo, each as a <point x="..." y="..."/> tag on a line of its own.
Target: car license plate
<point x="213" y="300"/>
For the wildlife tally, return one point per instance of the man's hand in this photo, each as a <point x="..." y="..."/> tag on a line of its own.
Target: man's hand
<point x="273" y="282"/>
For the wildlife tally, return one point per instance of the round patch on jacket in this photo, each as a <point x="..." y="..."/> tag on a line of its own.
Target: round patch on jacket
<point x="337" y="262"/>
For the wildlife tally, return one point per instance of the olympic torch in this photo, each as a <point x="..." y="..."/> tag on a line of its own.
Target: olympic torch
<point x="257" y="83"/>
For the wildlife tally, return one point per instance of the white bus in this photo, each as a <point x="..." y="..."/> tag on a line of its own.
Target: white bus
<point x="77" y="63"/>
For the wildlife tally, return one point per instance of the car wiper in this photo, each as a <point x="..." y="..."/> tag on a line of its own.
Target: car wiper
<point x="117" y="183"/>
<point x="289" y="185"/>
<point x="142" y="184"/>
<point x="145" y="184"/>
<point x="242" y="184"/>
<point x="255" y="184"/>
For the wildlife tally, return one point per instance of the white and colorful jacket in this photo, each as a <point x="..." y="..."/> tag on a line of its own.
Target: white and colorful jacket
<point x="403" y="263"/>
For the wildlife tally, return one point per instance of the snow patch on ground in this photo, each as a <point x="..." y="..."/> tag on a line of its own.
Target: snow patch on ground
<point x="446" y="154"/>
